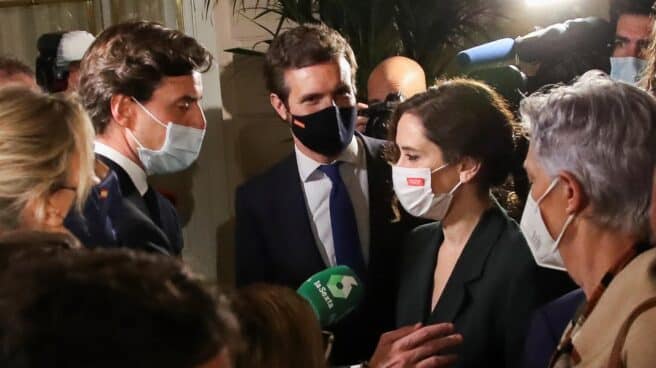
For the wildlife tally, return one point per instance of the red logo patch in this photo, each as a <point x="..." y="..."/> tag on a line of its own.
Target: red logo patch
<point x="416" y="182"/>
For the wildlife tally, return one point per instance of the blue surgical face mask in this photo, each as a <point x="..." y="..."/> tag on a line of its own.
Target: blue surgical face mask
<point x="180" y="149"/>
<point x="627" y="69"/>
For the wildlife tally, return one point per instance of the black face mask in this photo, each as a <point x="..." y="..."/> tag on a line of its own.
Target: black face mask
<point x="327" y="131"/>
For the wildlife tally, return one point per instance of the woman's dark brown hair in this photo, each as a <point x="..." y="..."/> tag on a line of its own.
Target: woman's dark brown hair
<point x="278" y="328"/>
<point x="466" y="118"/>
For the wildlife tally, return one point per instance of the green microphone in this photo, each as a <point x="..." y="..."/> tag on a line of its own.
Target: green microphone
<point x="333" y="293"/>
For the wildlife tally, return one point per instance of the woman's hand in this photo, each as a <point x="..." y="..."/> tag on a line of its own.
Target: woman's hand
<point x="416" y="346"/>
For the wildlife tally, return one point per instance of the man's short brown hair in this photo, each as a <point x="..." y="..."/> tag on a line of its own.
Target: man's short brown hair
<point x="633" y="7"/>
<point x="300" y="47"/>
<point x="131" y="59"/>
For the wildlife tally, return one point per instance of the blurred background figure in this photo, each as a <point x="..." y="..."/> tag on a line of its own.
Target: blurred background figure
<point x="46" y="159"/>
<point x="590" y="160"/>
<point x="561" y="52"/>
<point x="633" y="23"/>
<point x="58" y="63"/>
<point x="648" y="80"/>
<point x="397" y="74"/>
<point x="14" y="71"/>
<point x="279" y="329"/>
<point x="110" y="308"/>
<point x="390" y="82"/>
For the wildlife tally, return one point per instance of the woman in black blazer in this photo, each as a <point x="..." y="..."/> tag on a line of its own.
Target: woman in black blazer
<point x="472" y="267"/>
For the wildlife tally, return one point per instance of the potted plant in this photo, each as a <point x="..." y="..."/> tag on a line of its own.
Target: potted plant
<point x="428" y="31"/>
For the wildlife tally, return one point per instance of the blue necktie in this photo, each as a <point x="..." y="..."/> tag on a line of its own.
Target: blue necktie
<point x="344" y="226"/>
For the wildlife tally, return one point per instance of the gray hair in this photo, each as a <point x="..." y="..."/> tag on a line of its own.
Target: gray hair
<point x="604" y="133"/>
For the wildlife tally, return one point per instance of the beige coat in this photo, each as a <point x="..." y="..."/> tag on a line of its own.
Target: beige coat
<point x="595" y="338"/>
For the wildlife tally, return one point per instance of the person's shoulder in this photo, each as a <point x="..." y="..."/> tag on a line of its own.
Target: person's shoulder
<point x="510" y="251"/>
<point x="374" y="147"/>
<point x="510" y="239"/>
<point x="638" y="346"/>
<point x="422" y="233"/>
<point x="564" y="305"/>
<point x="265" y="180"/>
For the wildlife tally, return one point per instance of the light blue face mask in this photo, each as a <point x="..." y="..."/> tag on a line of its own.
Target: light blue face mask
<point x="627" y="69"/>
<point x="180" y="149"/>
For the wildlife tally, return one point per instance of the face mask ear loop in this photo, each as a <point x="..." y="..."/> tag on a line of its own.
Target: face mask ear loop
<point x="549" y="189"/>
<point x="439" y="168"/>
<point x="569" y="220"/>
<point x="148" y="112"/>
<point x="134" y="138"/>
<point x="460" y="183"/>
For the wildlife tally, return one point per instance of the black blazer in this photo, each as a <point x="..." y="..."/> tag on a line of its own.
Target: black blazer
<point x="275" y="244"/>
<point x="116" y="215"/>
<point x="490" y="295"/>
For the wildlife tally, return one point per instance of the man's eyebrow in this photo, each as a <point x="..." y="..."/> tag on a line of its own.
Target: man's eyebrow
<point x="189" y="98"/>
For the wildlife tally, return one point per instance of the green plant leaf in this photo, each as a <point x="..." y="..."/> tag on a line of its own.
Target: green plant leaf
<point x="429" y="31"/>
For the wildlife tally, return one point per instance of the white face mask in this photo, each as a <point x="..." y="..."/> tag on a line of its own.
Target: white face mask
<point x="180" y="149"/>
<point x="540" y="242"/>
<point x="627" y="69"/>
<point x="413" y="189"/>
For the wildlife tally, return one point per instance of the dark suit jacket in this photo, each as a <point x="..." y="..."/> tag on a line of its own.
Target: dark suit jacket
<point x="115" y="215"/>
<point x="275" y="244"/>
<point x="490" y="295"/>
<point x="547" y="327"/>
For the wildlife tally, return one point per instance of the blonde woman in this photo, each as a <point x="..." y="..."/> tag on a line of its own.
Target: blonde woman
<point x="46" y="159"/>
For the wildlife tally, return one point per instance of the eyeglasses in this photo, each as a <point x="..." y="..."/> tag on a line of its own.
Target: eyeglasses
<point x="328" y="340"/>
<point x="57" y="187"/>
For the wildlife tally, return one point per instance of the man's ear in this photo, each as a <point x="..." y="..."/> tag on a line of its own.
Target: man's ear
<point x="280" y="106"/>
<point x="123" y="110"/>
<point x="573" y="192"/>
<point x="469" y="168"/>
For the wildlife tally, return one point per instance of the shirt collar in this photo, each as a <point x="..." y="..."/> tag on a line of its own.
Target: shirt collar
<point x="308" y="166"/>
<point x="134" y="171"/>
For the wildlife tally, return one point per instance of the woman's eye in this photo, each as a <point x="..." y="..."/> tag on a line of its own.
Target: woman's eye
<point x="411" y="157"/>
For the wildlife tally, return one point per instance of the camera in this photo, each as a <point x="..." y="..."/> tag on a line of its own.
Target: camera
<point x="379" y="114"/>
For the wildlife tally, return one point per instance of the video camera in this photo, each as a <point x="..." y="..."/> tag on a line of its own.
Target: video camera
<point x="379" y="114"/>
<point x="561" y="52"/>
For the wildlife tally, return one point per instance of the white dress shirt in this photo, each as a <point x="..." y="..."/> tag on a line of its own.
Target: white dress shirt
<point x="135" y="172"/>
<point x="316" y="189"/>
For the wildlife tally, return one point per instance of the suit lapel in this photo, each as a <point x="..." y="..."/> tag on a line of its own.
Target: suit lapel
<point x="296" y="222"/>
<point x="128" y="189"/>
<point x="469" y="268"/>
<point x="418" y="299"/>
<point x="380" y="195"/>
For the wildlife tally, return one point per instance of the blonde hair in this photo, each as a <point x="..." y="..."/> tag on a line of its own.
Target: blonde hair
<point x="39" y="137"/>
<point x="279" y="329"/>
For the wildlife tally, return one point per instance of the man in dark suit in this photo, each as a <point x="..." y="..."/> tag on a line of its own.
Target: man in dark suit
<point x="141" y="84"/>
<point x="329" y="202"/>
